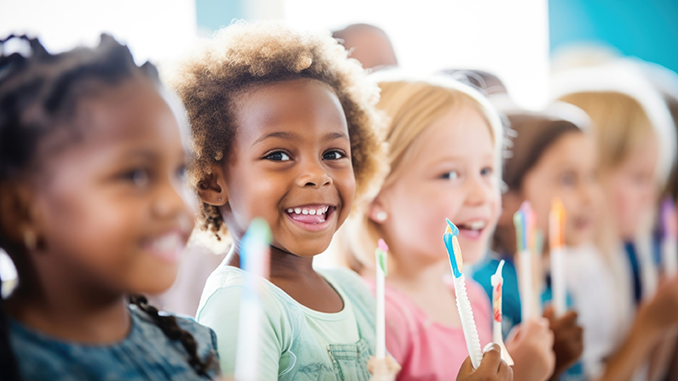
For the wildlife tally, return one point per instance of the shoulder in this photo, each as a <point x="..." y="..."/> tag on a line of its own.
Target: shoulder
<point x="351" y="284"/>
<point x="204" y="337"/>
<point x="37" y="357"/>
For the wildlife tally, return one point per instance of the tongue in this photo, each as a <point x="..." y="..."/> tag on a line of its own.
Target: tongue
<point x="307" y="218"/>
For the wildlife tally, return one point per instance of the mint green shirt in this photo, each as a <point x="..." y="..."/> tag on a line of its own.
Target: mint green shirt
<point x="296" y="343"/>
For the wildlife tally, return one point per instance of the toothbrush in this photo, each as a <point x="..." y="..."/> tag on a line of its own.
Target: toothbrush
<point x="463" y="305"/>
<point x="523" y="220"/>
<point x="255" y="260"/>
<point x="382" y="270"/>
<point x="670" y="230"/>
<point x="537" y="270"/>
<point x="497" y="281"/>
<point x="557" y="253"/>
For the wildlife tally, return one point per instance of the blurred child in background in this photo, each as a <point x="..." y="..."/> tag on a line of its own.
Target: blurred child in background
<point x="636" y="148"/>
<point x="92" y="215"/>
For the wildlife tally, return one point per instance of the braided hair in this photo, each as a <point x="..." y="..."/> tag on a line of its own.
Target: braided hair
<point x="39" y="93"/>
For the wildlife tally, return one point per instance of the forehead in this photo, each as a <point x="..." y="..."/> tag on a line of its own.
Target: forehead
<point x="305" y="105"/>
<point x="461" y="132"/>
<point x="132" y="113"/>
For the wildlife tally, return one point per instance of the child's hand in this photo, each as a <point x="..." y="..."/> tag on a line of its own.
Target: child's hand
<point x="531" y="347"/>
<point x="568" y="342"/>
<point x="661" y="311"/>
<point x="491" y="368"/>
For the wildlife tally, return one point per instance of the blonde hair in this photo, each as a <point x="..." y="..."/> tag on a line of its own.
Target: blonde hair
<point x="619" y="123"/>
<point x="412" y="106"/>
<point x="243" y="56"/>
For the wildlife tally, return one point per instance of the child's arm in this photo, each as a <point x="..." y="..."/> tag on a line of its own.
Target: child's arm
<point x="654" y="319"/>
<point x="568" y="343"/>
<point x="492" y="367"/>
<point x="221" y="312"/>
<point x="531" y="347"/>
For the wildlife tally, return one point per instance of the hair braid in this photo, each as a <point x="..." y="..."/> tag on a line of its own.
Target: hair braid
<point x="168" y="324"/>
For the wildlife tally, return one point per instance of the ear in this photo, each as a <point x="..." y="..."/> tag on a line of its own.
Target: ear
<point x="213" y="190"/>
<point x="16" y="213"/>
<point x="377" y="210"/>
<point x="510" y="201"/>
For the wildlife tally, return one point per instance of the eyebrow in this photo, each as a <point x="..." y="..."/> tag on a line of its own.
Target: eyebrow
<point x="293" y="136"/>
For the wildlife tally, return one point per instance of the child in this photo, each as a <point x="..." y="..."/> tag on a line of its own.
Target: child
<point x="635" y="141"/>
<point x="445" y="143"/>
<point x="285" y="129"/>
<point x="551" y="157"/>
<point x="91" y="169"/>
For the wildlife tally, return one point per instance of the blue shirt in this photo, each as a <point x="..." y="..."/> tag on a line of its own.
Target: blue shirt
<point x="145" y="354"/>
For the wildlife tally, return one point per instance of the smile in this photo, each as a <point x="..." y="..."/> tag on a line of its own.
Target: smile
<point x="311" y="217"/>
<point x="472" y="229"/>
<point x="167" y="247"/>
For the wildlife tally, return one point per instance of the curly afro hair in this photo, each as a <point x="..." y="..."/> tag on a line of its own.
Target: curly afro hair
<point x="244" y="55"/>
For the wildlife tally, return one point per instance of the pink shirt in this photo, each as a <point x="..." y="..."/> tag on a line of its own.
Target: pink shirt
<point x="425" y="349"/>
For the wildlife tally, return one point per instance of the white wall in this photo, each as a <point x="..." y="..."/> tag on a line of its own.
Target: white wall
<point x="159" y="30"/>
<point x="508" y="38"/>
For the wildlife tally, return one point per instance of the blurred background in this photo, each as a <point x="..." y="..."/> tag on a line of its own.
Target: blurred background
<point x="521" y="41"/>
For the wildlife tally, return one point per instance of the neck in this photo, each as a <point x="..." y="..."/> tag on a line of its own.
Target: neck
<point x="284" y="265"/>
<point x="73" y="312"/>
<point x="413" y="274"/>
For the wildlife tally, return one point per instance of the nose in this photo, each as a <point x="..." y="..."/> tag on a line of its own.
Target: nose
<point x="478" y="191"/>
<point x="312" y="174"/>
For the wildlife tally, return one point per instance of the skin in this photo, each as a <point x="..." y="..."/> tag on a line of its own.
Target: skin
<point x="566" y="170"/>
<point x="97" y="207"/>
<point x="453" y="177"/>
<point x="632" y="188"/>
<point x="369" y="45"/>
<point x="291" y="150"/>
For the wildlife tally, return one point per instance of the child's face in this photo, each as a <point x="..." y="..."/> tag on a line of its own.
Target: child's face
<point x="632" y="187"/>
<point x="567" y="170"/>
<point x="290" y="165"/>
<point x="109" y="204"/>
<point x="451" y="175"/>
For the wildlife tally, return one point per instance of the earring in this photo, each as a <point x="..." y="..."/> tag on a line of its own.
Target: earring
<point x="30" y="240"/>
<point x="382" y="216"/>
<point x="219" y="199"/>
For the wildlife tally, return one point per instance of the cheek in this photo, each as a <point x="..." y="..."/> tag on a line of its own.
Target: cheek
<point x="418" y="219"/>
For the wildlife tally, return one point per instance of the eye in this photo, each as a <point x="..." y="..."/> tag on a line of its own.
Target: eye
<point x="181" y="172"/>
<point x="567" y="180"/>
<point x="138" y="177"/>
<point x="453" y="175"/>
<point x="333" y="155"/>
<point x="487" y="171"/>
<point x="277" y="156"/>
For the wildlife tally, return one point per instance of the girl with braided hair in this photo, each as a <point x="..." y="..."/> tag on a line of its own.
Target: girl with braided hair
<point x="92" y="214"/>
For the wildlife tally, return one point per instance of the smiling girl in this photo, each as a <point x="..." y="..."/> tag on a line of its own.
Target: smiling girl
<point x="445" y="144"/>
<point x="283" y="128"/>
<point x="92" y="214"/>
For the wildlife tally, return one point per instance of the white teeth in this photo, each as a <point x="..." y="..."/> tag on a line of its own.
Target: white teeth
<point x="312" y="212"/>
<point x="476" y="225"/>
<point x="167" y="243"/>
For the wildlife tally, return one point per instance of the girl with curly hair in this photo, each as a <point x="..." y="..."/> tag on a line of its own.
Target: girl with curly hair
<point x="92" y="214"/>
<point x="284" y="128"/>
